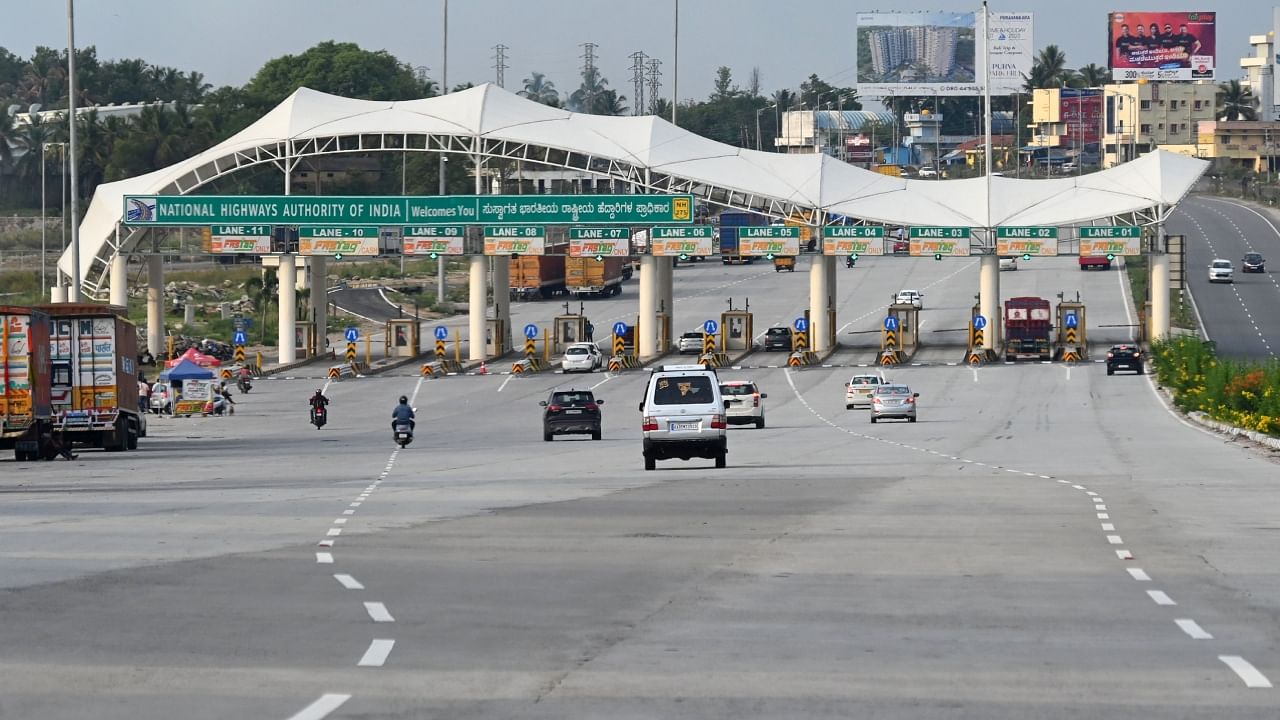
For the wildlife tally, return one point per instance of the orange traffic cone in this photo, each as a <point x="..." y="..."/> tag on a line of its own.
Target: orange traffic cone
<point x="484" y="369"/>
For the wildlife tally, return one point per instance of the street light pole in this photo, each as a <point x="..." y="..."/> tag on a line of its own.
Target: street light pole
<point x="758" y="146"/>
<point x="442" y="262"/>
<point x="675" y="72"/>
<point x="74" y="294"/>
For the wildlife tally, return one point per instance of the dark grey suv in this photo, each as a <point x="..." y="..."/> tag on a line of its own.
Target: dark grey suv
<point x="571" y="412"/>
<point x="1253" y="263"/>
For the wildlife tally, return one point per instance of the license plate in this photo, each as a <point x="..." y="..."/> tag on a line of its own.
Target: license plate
<point x="682" y="426"/>
<point x="572" y="412"/>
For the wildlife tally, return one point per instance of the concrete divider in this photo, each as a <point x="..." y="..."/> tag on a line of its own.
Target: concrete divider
<point x="528" y="365"/>
<point x="714" y="360"/>
<point x="802" y="358"/>
<point x="618" y="363"/>
<point x="342" y="372"/>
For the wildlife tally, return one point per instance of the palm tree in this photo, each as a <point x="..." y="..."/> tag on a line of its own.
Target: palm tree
<point x="1049" y="69"/>
<point x="261" y="290"/>
<point x="539" y="89"/>
<point x="1236" y="102"/>
<point x="1093" y="75"/>
<point x="611" y="103"/>
<point x="31" y="139"/>
<point x="589" y="95"/>
<point x="8" y="138"/>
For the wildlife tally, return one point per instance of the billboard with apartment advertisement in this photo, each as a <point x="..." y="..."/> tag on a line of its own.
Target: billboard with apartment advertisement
<point x="1161" y="45"/>
<point x="1012" y="51"/>
<point x="919" y="53"/>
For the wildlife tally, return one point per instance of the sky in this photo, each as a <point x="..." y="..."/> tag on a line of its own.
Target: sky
<point x="229" y="40"/>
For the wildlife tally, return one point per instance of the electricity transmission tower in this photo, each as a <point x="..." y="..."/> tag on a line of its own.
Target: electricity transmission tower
<point x="500" y="62"/>
<point x="638" y="80"/>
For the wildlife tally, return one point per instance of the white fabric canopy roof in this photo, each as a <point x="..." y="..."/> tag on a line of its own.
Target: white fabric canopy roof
<point x="815" y="181"/>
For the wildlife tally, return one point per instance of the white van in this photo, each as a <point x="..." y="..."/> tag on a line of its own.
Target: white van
<point x="683" y="416"/>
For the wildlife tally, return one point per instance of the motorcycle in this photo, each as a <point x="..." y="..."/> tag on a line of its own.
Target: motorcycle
<point x="244" y="385"/>
<point x="403" y="434"/>
<point x="319" y="416"/>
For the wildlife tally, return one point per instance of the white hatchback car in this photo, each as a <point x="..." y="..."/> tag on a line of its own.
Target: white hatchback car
<point x="910" y="297"/>
<point x="743" y="402"/>
<point x="857" y="392"/>
<point x="1220" y="271"/>
<point x="582" y="357"/>
<point x="1008" y="263"/>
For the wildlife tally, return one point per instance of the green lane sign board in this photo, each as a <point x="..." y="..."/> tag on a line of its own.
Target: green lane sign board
<point x="940" y="242"/>
<point x="599" y="242"/>
<point x="1026" y="233"/>
<point x="338" y="240"/>
<point x="1109" y="232"/>
<point x="769" y="240"/>
<point x="853" y="240"/>
<point x="342" y="232"/>
<point x="203" y="210"/>
<point x="940" y="233"/>
<point x="684" y="240"/>
<point x="853" y="231"/>
<point x="515" y="240"/>
<point x="687" y="232"/>
<point x="1027" y="241"/>
<point x="1110" y="240"/>
<point x="599" y="233"/>
<point x="433" y="240"/>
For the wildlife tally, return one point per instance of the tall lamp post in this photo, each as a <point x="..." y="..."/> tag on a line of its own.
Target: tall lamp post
<point x="758" y="147"/>
<point x="675" y="71"/>
<point x="442" y="261"/>
<point x="74" y="294"/>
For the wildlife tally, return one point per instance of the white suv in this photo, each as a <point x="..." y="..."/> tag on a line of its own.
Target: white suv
<point x="743" y="402"/>
<point x="1220" y="271"/>
<point x="684" y="416"/>
<point x="909" y="297"/>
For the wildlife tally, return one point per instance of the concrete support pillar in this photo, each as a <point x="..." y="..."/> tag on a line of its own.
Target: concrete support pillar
<point x="120" y="280"/>
<point x="302" y="274"/>
<point x="502" y="295"/>
<point x="666" y="296"/>
<point x="647" y="331"/>
<point x="155" y="305"/>
<point x="833" y="291"/>
<point x="1160" y="318"/>
<point x="989" y="300"/>
<point x="319" y="300"/>
<point x="818" y="294"/>
<point x="477" y="304"/>
<point x="58" y="293"/>
<point x="287" y="280"/>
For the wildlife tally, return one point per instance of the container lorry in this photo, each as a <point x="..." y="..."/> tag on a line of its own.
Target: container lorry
<point x="1028" y="328"/>
<point x="586" y="276"/>
<point x="537" y="276"/>
<point x="729" y="245"/>
<point x="93" y="362"/>
<point x="25" y="408"/>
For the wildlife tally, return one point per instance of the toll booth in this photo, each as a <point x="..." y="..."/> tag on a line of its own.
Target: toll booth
<point x="304" y="339"/>
<point x="664" y="333"/>
<point x="736" y="331"/>
<point x="402" y="339"/>
<point x="1073" y="342"/>
<point x="570" y="329"/>
<point x="900" y="331"/>
<point x="495" y="331"/>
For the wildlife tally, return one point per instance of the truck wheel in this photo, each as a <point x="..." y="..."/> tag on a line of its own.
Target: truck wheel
<point x="131" y="436"/>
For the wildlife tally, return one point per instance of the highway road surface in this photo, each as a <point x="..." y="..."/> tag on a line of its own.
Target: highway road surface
<point x="1240" y="317"/>
<point x="1047" y="542"/>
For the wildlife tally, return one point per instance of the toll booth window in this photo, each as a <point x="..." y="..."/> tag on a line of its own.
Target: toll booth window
<point x="573" y="399"/>
<point x="683" y="390"/>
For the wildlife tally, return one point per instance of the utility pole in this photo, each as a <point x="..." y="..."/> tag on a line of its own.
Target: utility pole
<point x="500" y="63"/>
<point x="589" y="74"/>
<point x="654" y="76"/>
<point x="638" y="80"/>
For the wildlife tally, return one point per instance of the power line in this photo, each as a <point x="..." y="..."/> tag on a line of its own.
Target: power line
<point x="500" y="62"/>
<point x="638" y="80"/>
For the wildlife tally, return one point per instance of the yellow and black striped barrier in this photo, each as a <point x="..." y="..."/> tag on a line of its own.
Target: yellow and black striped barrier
<point x="1071" y="355"/>
<point x="351" y="352"/>
<point x="528" y="365"/>
<point x="440" y="351"/>
<point x="239" y="355"/>
<point x="619" y="346"/>
<point x="714" y="359"/>
<point x="618" y="363"/>
<point x="890" y="357"/>
<point x="801" y="358"/>
<point x="977" y="357"/>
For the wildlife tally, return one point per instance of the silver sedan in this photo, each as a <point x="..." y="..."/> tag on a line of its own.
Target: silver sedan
<point x="893" y="401"/>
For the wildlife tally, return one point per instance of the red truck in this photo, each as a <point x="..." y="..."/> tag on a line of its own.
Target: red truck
<point x="93" y="360"/>
<point x="1028" y="328"/>
<point x="1094" y="261"/>
<point x="25" y="408"/>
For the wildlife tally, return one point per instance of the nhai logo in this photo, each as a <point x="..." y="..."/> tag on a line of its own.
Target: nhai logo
<point x="138" y="210"/>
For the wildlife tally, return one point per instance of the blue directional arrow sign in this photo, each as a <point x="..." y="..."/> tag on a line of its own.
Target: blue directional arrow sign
<point x="1071" y="320"/>
<point x="801" y="324"/>
<point x="710" y="327"/>
<point x="891" y="323"/>
<point x="979" y="322"/>
<point x="442" y="332"/>
<point x="352" y="334"/>
<point x="240" y="338"/>
<point x="619" y="328"/>
<point x="531" y="331"/>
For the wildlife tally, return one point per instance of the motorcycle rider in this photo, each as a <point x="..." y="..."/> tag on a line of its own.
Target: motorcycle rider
<point x="242" y="380"/>
<point x="317" y="401"/>
<point x="402" y="414"/>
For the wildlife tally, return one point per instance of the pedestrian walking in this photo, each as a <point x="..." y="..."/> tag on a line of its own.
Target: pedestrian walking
<point x="144" y="395"/>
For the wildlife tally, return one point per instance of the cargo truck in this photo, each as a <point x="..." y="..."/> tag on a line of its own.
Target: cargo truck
<point x="537" y="276"/>
<point x="25" y="409"/>
<point x="729" y="224"/>
<point x="586" y="276"/>
<point x="93" y="361"/>
<point x="1028" y="328"/>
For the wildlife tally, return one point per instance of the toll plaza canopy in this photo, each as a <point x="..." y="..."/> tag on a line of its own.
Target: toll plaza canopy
<point x="645" y="152"/>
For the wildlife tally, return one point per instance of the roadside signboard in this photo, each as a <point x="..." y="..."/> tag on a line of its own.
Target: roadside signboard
<point x="891" y="323"/>
<point x="801" y="324"/>
<point x="1161" y="45"/>
<point x="944" y="241"/>
<point x="979" y="322"/>
<point x="442" y="332"/>
<point x="335" y="240"/>
<point x="515" y="240"/>
<point x="531" y="331"/>
<point x="203" y="210"/>
<point x="1103" y="240"/>
<point x="853" y="240"/>
<point x="683" y="240"/>
<point x="438" y="239"/>
<point x="1040" y="241"/>
<point x="352" y="334"/>
<point x="710" y="327"/>
<point x="232" y="239"/>
<point x="759" y="241"/>
<point x="599" y="241"/>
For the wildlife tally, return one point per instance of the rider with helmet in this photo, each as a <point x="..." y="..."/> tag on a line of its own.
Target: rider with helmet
<point x="317" y="402"/>
<point x="402" y="414"/>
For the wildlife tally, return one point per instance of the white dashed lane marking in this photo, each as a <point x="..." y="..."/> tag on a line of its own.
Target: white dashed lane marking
<point x="1159" y="597"/>
<point x="321" y="708"/>
<point x="1139" y="574"/>
<point x="347" y="581"/>
<point x="376" y="655"/>
<point x="1247" y="672"/>
<point x="1193" y="629"/>
<point x="378" y="612"/>
<point x="324" y="558"/>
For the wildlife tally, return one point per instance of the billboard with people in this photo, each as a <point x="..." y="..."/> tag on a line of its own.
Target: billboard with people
<point x="1161" y="45"/>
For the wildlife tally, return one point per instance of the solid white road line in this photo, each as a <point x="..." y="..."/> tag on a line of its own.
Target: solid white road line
<point x="378" y="612"/>
<point x="347" y="581"/>
<point x="1160" y="597"/>
<point x="504" y="382"/>
<point x="1192" y="628"/>
<point x="324" y="558"/>
<point x="607" y="379"/>
<point x="1247" y="672"/>
<point x="321" y="708"/>
<point x="1139" y="574"/>
<point x="377" y="653"/>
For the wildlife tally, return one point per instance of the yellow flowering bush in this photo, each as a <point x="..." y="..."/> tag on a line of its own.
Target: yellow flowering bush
<point x="1245" y="394"/>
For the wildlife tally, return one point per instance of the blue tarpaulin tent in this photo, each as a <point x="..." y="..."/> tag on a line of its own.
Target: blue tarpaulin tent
<point x="186" y="370"/>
